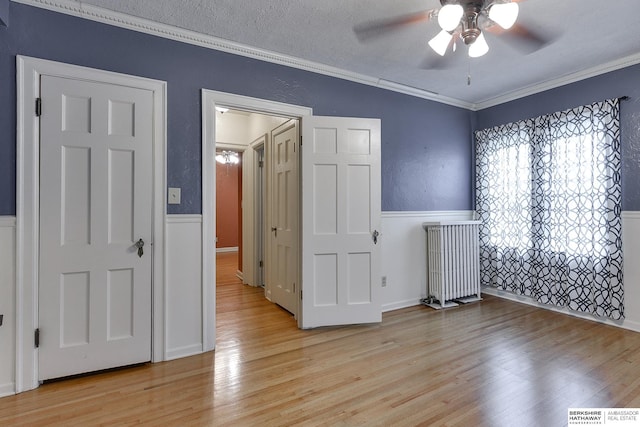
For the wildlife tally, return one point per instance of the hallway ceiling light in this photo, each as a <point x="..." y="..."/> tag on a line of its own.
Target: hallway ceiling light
<point x="227" y="157"/>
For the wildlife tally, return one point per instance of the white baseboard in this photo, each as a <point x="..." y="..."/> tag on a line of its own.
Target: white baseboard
<point x="625" y="324"/>
<point x="188" y="350"/>
<point x="229" y="249"/>
<point x="8" y="389"/>
<point x="240" y="275"/>
<point x="400" y="304"/>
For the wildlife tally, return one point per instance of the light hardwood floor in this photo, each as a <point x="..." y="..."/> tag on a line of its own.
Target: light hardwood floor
<point x="493" y="363"/>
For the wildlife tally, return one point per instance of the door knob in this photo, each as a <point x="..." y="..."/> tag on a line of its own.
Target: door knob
<point x="139" y="245"/>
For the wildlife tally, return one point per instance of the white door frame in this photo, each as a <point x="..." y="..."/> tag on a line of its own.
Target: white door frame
<point x="258" y="202"/>
<point x="28" y="75"/>
<point x="210" y="99"/>
<point x="251" y="173"/>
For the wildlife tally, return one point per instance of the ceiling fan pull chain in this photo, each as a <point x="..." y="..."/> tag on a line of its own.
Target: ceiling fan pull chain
<point x="469" y="73"/>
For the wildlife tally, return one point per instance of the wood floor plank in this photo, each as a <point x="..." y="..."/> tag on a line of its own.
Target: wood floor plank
<point x="492" y="363"/>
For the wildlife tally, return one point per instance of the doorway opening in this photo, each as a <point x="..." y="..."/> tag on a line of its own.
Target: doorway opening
<point x="257" y="203"/>
<point x="228" y="236"/>
<point x="337" y="185"/>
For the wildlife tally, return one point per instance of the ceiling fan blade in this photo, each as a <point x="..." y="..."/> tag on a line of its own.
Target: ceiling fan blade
<point x="437" y="62"/>
<point x="369" y="30"/>
<point x="450" y="59"/>
<point x="523" y="38"/>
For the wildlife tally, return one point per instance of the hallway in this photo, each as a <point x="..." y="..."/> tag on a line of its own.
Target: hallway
<point x="240" y="307"/>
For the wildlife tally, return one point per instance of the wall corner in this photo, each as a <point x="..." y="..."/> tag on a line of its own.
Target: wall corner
<point x="4" y="13"/>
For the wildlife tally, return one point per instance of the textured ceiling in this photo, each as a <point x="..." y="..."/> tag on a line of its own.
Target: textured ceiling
<point x="586" y="34"/>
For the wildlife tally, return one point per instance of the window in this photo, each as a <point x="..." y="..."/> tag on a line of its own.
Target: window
<point x="548" y="193"/>
<point x="577" y="188"/>
<point x="510" y="193"/>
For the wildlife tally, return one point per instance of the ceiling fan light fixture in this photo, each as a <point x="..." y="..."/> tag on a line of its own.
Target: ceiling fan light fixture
<point x="449" y="16"/>
<point x="479" y="47"/>
<point x="504" y="14"/>
<point x="440" y="42"/>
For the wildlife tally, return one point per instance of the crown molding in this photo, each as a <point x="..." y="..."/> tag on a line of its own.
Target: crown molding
<point x="105" y="16"/>
<point x="557" y="82"/>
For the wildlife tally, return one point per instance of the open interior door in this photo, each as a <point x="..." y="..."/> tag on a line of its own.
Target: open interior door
<point x="340" y="221"/>
<point x="284" y="205"/>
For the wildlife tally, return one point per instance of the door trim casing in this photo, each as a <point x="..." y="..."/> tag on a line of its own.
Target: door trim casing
<point x="28" y="75"/>
<point x="210" y="99"/>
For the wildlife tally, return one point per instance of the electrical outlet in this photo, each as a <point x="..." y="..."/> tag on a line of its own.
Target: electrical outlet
<point x="384" y="281"/>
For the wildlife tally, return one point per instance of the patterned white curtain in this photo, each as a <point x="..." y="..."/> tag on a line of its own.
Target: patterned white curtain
<point x="548" y="192"/>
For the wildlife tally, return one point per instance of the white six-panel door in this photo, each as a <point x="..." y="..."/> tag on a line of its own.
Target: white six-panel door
<point x="341" y="205"/>
<point x="95" y="204"/>
<point x="284" y="203"/>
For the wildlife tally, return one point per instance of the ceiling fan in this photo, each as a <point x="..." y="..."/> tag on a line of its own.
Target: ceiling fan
<point x="463" y="21"/>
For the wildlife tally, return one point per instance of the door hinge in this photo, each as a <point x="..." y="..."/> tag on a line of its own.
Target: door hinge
<point x="300" y="140"/>
<point x="38" y="107"/>
<point x="260" y="164"/>
<point x="260" y="264"/>
<point x="300" y="294"/>
<point x="36" y="338"/>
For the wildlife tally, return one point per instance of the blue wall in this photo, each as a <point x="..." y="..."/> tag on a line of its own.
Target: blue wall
<point x="4" y="12"/>
<point x="624" y="82"/>
<point x="426" y="146"/>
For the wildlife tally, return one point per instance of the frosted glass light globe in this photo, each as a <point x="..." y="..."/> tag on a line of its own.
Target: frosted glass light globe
<point x="440" y="42"/>
<point x="449" y="16"/>
<point x="479" y="47"/>
<point x="504" y="14"/>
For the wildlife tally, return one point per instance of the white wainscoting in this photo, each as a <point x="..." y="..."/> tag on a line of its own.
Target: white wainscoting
<point x="404" y="255"/>
<point x="183" y="299"/>
<point x="184" y="307"/>
<point x="404" y="263"/>
<point x="7" y="304"/>
<point x="631" y="254"/>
